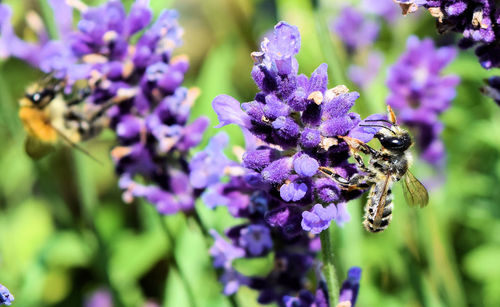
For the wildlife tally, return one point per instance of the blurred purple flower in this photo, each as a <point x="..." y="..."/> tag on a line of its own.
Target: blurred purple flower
<point x="419" y="93"/>
<point x="363" y="76"/>
<point x="6" y="297"/>
<point x="207" y="166"/>
<point x="256" y="239"/>
<point x="224" y="252"/>
<point x="99" y="298"/>
<point x="383" y="8"/>
<point x="354" y="29"/>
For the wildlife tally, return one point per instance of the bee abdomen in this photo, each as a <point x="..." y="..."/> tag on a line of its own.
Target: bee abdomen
<point x="377" y="225"/>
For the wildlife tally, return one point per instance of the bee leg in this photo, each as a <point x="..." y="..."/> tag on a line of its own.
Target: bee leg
<point x="368" y="150"/>
<point x="356" y="182"/>
<point x="356" y="145"/>
<point x="360" y="163"/>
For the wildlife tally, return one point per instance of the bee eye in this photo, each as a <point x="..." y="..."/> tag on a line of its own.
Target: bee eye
<point x="395" y="142"/>
<point x="36" y="97"/>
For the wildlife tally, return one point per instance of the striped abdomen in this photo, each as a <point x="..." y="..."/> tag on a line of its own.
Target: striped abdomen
<point x="380" y="195"/>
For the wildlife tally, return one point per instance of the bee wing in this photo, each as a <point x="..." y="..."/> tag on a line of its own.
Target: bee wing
<point x="414" y="191"/>
<point x="382" y="201"/>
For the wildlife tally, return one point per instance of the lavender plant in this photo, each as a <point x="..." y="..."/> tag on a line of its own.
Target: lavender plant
<point x="292" y="128"/>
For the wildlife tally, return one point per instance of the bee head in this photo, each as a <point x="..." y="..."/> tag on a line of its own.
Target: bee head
<point x="399" y="140"/>
<point x="40" y="98"/>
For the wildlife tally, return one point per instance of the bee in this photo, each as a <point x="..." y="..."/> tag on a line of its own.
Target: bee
<point x="386" y="166"/>
<point x="50" y="116"/>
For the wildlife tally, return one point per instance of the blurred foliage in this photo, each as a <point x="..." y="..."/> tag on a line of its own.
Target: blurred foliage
<point x="66" y="232"/>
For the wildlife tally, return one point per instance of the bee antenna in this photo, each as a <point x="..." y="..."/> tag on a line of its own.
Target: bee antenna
<point x="378" y="120"/>
<point x="379" y="126"/>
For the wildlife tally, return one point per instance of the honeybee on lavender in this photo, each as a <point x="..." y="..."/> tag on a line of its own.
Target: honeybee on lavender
<point x="50" y="116"/>
<point x="386" y="166"/>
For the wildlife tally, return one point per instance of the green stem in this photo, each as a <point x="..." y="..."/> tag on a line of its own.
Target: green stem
<point x="175" y="264"/>
<point x="206" y="235"/>
<point x="88" y="200"/>
<point x="329" y="266"/>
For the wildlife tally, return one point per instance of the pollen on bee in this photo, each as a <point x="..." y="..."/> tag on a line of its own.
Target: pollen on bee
<point x="36" y="124"/>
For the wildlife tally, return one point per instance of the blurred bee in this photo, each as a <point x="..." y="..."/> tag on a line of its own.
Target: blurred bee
<point x="386" y="166"/>
<point x="49" y="116"/>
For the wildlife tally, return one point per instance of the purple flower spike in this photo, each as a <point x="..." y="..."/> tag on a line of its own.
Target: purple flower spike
<point x="6" y="297"/>
<point x="476" y="20"/>
<point x="354" y="29"/>
<point x="350" y="287"/>
<point x="305" y="166"/>
<point x="319" y="218"/>
<point x="419" y="93"/>
<point x="293" y="191"/>
<point x="292" y="129"/>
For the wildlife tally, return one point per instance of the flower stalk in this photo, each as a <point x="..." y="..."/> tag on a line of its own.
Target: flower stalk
<point x="329" y="270"/>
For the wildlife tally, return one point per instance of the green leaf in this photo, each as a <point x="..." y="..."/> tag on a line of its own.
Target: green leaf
<point x="480" y="263"/>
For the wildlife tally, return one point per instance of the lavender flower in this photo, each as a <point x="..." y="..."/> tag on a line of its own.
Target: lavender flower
<point x="350" y="287"/>
<point x="319" y="218"/>
<point x="297" y="120"/>
<point x="419" y="93"/>
<point x="6" y="297"/>
<point x="307" y="299"/>
<point x="478" y="22"/>
<point x="474" y="19"/>
<point x="137" y="80"/>
<point x="354" y="29"/>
